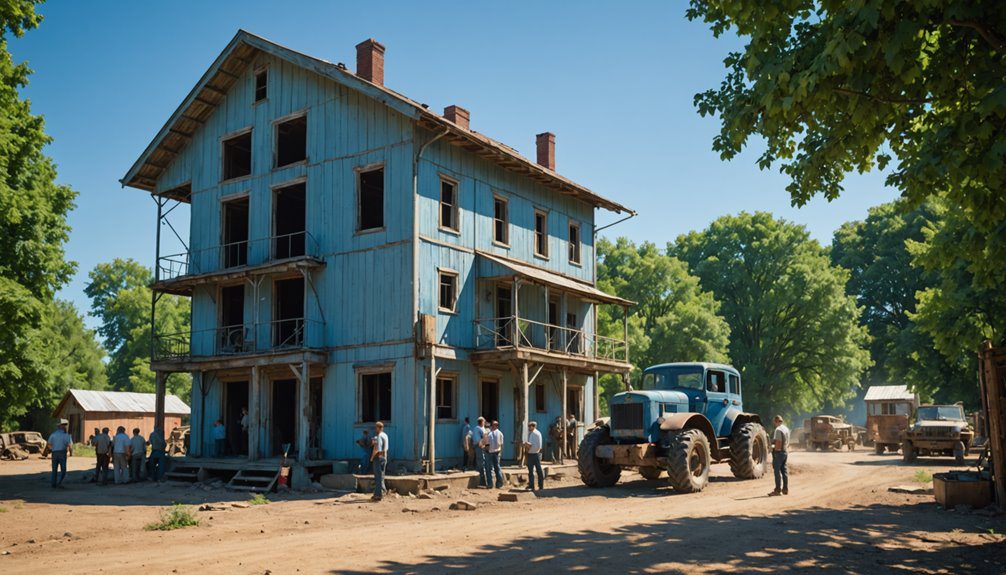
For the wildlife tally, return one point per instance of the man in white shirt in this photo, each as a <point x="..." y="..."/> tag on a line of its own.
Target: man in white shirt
<point x="61" y="445"/>
<point x="120" y="455"/>
<point x="137" y="453"/>
<point x="533" y="447"/>
<point x="495" y="438"/>
<point x="380" y="460"/>
<point x="780" y="453"/>
<point x="478" y="434"/>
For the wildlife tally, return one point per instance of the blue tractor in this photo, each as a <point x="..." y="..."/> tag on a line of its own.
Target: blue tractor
<point x="684" y="417"/>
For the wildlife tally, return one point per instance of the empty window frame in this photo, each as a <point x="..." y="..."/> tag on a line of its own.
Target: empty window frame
<point x="446" y="392"/>
<point x="291" y="141"/>
<point x="375" y="396"/>
<point x="539" y="398"/>
<point x="371" y="199"/>
<point x="261" y="84"/>
<point x="574" y="242"/>
<point x="449" y="217"/>
<point x="448" y="282"/>
<point x="541" y="233"/>
<point x="501" y="221"/>
<point x="237" y="156"/>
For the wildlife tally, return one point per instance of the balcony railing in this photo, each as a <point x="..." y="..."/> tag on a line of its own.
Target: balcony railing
<point x="514" y="332"/>
<point x="285" y="334"/>
<point x="237" y="254"/>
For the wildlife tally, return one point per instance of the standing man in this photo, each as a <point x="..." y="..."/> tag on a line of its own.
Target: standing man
<point x="103" y="453"/>
<point x="120" y="455"/>
<point x="556" y="431"/>
<point x="780" y="453"/>
<point x="477" y="439"/>
<point x="466" y="443"/>
<point x="380" y="460"/>
<point x="219" y="438"/>
<point x="244" y="431"/>
<point x="366" y="443"/>
<point x="533" y="448"/>
<point x="495" y="438"/>
<point x="571" y="437"/>
<point x="137" y="453"/>
<point x="61" y="445"/>
<point x="158" y="457"/>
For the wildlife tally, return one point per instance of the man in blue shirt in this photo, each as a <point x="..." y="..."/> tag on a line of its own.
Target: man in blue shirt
<point x="380" y="460"/>
<point x="478" y="434"/>
<point x="61" y="445"/>
<point x="158" y="458"/>
<point x="495" y="438"/>
<point x="366" y="443"/>
<point x="466" y="444"/>
<point x="219" y="438"/>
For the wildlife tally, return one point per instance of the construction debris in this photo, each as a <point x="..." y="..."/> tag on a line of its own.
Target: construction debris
<point x="516" y="496"/>
<point x="462" y="505"/>
<point x="13" y="453"/>
<point x="918" y="489"/>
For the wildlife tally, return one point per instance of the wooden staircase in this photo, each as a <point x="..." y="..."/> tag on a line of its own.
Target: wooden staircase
<point x="188" y="474"/>
<point x="255" y="480"/>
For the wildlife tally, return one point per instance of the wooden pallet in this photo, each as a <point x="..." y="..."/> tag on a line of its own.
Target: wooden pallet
<point x="256" y="480"/>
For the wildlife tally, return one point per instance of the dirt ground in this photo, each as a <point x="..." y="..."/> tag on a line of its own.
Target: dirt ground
<point x="838" y="518"/>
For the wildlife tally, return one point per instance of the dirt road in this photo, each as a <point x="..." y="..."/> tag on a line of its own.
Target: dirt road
<point x="839" y="518"/>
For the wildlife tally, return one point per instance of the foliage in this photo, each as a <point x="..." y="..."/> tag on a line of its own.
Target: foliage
<point x="923" y="476"/>
<point x="83" y="450"/>
<point x="794" y="332"/>
<point x="675" y="320"/>
<point x="174" y="517"/>
<point x="885" y="283"/>
<point x="259" y="499"/>
<point x="33" y="230"/>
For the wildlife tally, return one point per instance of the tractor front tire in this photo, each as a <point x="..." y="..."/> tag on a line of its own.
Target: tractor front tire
<point x="688" y="461"/>
<point x="650" y="473"/>
<point x="595" y="472"/>
<point x="749" y="451"/>
<point x="908" y="453"/>
<point x="878" y="448"/>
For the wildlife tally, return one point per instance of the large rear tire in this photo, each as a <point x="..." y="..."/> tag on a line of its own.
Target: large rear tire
<point x="688" y="460"/>
<point x="650" y="473"/>
<point x="878" y="448"/>
<point x="749" y="451"/>
<point x="596" y="472"/>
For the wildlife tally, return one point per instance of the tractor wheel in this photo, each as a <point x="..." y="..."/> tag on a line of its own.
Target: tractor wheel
<point x="650" y="473"/>
<point x="959" y="452"/>
<point x="908" y="453"/>
<point x="749" y="451"/>
<point x="688" y="461"/>
<point x="593" y="471"/>
<point x="878" y="448"/>
<point x="852" y="445"/>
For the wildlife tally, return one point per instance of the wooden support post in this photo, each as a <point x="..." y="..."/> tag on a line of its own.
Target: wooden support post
<point x="625" y="330"/>
<point x="161" y="378"/>
<point x="548" y="329"/>
<point x="303" y="411"/>
<point x="597" y="397"/>
<point x="516" y="313"/>
<point x="565" y="412"/>
<point x="524" y="402"/>
<point x="254" y="411"/>
<point x="996" y="418"/>
<point x="432" y="417"/>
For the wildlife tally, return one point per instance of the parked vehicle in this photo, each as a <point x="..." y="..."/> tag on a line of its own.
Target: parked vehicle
<point x="888" y="412"/>
<point x="684" y="417"/>
<point x="30" y="441"/>
<point x="938" y="430"/>
<point x="828" y="432"/>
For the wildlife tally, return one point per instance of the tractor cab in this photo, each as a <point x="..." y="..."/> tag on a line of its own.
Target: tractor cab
<point x="709" y="388"/>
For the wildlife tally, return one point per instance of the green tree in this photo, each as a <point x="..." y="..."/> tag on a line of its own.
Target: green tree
<point x="885" y="283"/>
<point x="675" y="320"/>
<point x="33" y="230"/>
<point x="795" y="334"/>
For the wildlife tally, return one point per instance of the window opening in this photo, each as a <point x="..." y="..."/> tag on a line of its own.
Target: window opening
<point x="289" y="221"/>
<point x="237" y="156"/>
<point x="371" y="199"/>
<point x="291" y="141"/>
<point x="375" y="397"/>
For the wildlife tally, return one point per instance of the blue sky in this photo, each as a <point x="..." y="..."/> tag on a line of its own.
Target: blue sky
<point x="615" y="82"/>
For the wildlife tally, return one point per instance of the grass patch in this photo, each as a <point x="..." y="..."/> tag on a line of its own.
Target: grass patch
<point x="923" y="476"/>
<point x="174" y="517"/>
<point x="259" y="499"/>
<point x="82" y="450"/>
<point x="3" y="509"/>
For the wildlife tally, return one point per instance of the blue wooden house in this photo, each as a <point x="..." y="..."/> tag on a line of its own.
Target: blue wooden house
<point x="353" y="256"/>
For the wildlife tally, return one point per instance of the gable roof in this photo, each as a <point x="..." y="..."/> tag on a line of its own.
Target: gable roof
<point x="889" y="393"/>
<point x="123" y="401"/>
<point x="212" y="88"/>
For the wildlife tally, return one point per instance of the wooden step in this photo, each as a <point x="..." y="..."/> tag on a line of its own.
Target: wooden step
<point x="189" y="474"/>
<point x="257" y="480"/>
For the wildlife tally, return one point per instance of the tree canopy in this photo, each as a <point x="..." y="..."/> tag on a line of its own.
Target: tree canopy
<point x="795" y="334"/>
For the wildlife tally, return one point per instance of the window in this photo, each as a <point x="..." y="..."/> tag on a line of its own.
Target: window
<point x="371" y="202"/>
<point x="445" y="396"/>
<point x="449" y="205"/>
<point x="887" y="409"/>
<point x="237" y="156"/>
<point x="291" y="141"/>
<point x="501" y="223"/>
<point x="735" y="384"/>
<point x="448" y="290"/>
<point x="574" y="243"/>
<point x="539" y="397"/>
<point x="541" y="233"/>
<point x="375" y="396"/>
<point x="261" y="84"/>
<point x="716" y="382"/>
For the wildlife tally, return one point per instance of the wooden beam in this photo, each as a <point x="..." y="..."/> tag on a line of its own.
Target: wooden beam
<point x="160" y="383"/>
<point x="254" y="414"/>
<point x="303" y="411"/>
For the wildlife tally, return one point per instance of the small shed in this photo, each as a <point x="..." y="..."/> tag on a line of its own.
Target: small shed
<point x="890" y="400"/>
<point x="86" y="409"/>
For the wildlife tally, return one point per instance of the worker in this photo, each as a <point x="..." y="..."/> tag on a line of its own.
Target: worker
<point x="495" y="447"/>
<point x="556" y="432"/>
<point x="571" y="437"/>
<point x="533" y="448"/>
<point x="366" y="443"/>
<point x="780" y="453"/>
<point x="158" y="455"/>
<point x="219" y="438"/>
<point x="244" y="430"/>
<point x="380" y="460"/>
<point x="137" y="453"/>
<point x="478" y="442"/>
<point x="466" y="443"/>
<point x="60" y="445"/>
<point x="102" y="444"/>
<point x="120" y="456"/>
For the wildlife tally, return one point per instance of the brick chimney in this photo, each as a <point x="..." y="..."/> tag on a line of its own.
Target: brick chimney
<point x="370" y="61"/>
<point x="458" y="115"/>
<point x="546" y="150"/>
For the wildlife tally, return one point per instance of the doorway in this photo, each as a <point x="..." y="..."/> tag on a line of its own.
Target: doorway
<point x="235" y="399"/>
<point x="490" y="408"/>
<point x="230" y="336"/>
<point x="235" y="232"/>
<point x="504" y="307"/>
<point x="573" y="403"/>
<point x="289" y="221"/>
<point x="284" y="416"/>
<point x="288" y="324"/>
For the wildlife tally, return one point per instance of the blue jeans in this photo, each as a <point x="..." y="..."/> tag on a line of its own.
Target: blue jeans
<point x="380" y="463"/>
<point x="779" y="467"/>
<point x="482" y="465"/>
<point x="58" y="462"/>
<point x="494" y="461"/>
<point x="534" y="463"/>
<point x="158" y="462"/>
<point x="218" y="447"/>
<point x="365" y="462"/>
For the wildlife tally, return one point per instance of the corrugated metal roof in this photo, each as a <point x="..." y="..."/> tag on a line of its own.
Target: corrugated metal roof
<point x="555" y="280"/>
<point x="889" y="393"/>
<point x="125" y="401"/>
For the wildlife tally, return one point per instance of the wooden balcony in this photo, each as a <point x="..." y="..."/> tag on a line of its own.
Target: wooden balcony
<point x="504" y="340"/>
